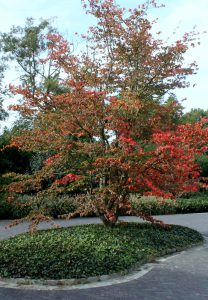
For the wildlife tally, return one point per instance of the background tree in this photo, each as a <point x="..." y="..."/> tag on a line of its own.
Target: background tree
<point x="194" y="115"/>
<point x="27" y="47"/>
<point x="3" y="113"/>
<point x="175" y="107"/>
<point x="13" y="159"/>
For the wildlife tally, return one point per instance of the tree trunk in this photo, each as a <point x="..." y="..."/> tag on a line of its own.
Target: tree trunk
<point x="109" y="222"/>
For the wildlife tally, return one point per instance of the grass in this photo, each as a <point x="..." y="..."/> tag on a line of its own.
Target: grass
<point x="89" y="250"/>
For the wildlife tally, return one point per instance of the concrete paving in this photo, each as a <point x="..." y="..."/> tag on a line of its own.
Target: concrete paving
<point x="180" y="277"/>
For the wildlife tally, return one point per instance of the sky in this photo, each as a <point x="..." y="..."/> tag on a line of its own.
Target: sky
<point x="182" y="15"/>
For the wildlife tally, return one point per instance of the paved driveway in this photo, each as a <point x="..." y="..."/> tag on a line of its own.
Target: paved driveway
<point x="181" y="277"/>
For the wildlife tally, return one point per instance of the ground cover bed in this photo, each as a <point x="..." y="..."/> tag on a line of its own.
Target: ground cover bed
<point x="89" y="250"/>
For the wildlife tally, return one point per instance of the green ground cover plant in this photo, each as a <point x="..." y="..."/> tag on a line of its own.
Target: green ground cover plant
<point x="89" y="250"/>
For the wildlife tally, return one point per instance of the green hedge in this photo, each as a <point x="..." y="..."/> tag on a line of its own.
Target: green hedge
<point x="156" y="206"/>
<point x="192" y="205"/>
<point x="153" y="205"/>
<point x="51" y="206"/>
<point x="5" y="206"/>
<point x="89" y="250"/>
<point x="66" y="204"/>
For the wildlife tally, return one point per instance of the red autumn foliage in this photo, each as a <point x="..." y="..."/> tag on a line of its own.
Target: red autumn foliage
<point x="67" y="179"/>
<point x="110" y="130"/>
<point x="49" y="161"/>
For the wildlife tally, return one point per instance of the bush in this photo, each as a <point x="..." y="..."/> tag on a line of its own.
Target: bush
<point x="192" y="205"/>
<point x="11" y="210"/>
<point x="89" y="250"/>
<point x="14" y="160"/>
<point x="19" y="208"/>
<point x="50" y="205"/>
<point x="55" y="206"/>
<point x="153" y="205"/>
<point x="65" y="204"/>
<point x="5" y="207"/>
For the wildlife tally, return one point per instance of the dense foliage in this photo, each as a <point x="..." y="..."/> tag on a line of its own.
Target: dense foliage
<point x="60" y="205"/>
<point x="89" y="250"/>
<point x="191" y="117"/>
<point x="194" y="115"/>
<point x="27" y="47"/>
<point x="197" y="203"/>
<point x="109" y="134"/>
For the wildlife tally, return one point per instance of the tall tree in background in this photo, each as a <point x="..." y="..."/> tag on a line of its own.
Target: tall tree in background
<point x="3" y="113"/>
<point x="22" y="48"/>
<point x="194" y="115"/>
<point x="175" y="107"/>
<point x="27" y="47"/>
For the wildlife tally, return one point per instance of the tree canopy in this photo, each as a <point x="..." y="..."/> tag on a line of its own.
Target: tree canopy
<point x="110" y="134"/>
<point x="27" y="47"/>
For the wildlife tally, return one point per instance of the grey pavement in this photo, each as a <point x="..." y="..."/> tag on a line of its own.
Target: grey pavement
<point x="180" y="277"/>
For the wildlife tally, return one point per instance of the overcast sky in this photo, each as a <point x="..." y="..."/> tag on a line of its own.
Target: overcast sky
<point x="184" y="14"/>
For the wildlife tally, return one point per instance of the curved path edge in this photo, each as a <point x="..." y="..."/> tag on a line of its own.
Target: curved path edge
<point x="181" y="276"/>
<point x="91" y="282"/>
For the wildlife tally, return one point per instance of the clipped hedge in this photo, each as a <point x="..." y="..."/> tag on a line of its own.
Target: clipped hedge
<point x="89" y="250"/>
<point x="153" y="205"/>
<point x="193" y="205"/>
<point x="55" y="206"/>
<point x="157" y="206"/>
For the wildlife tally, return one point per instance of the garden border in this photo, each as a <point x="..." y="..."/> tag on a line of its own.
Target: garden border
<point x="96" y="281"/>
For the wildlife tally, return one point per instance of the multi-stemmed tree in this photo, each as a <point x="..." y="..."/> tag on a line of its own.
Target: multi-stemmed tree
<point x="110" y="134"/>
